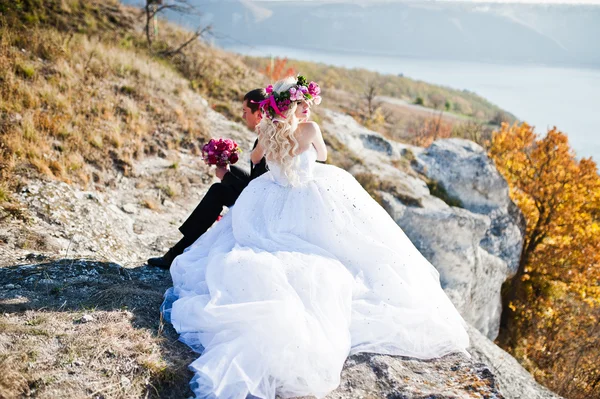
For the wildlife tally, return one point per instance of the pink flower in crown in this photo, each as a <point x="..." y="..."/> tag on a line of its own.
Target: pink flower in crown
<point x="269" y="89"/>
<point x="295" y="94"/>
<point x="303" y="89"/>
<point x="317" y="100"/>
<point x="314" y="89"/>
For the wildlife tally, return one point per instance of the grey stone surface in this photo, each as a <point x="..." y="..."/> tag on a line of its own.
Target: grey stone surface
<point x="465" y="171"/>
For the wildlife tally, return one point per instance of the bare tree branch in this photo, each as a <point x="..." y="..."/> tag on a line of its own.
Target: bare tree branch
<point x="155" y="7"/>
<point x="199" y="33"/>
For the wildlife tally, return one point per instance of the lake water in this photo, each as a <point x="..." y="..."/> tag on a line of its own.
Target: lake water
<point x="542" y="96"/>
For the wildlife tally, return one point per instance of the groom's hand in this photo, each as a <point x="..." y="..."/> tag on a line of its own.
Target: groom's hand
<point x="221" y="171"/>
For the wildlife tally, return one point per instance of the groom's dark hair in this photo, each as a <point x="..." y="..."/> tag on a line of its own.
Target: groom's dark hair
<point x="254" y="97"/>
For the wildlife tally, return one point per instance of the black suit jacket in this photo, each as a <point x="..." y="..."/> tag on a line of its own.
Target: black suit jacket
<point x="238" y="178"/>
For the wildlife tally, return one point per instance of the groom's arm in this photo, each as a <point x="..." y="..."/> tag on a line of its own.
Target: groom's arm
<point x="236" y="177"/>
<point x="239" y="172"/>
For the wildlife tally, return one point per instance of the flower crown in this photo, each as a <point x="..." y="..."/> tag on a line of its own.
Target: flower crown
<point x="278" y="102"/>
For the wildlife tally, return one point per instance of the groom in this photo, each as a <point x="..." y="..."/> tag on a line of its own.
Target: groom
<point x="225" y="193"/>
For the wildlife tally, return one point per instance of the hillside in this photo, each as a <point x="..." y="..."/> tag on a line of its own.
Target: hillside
<point x="76" y="106"/>
<point x="83" y="94"/>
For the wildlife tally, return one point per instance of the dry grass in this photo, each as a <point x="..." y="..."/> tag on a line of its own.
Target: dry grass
<point x="72" y="106"/>
<point x="52" y="353"/>
<point x="150" y="204"/>
<point x="48" y="350"/>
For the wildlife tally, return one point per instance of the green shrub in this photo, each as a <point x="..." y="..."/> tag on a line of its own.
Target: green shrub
<point x="25" y="70"/>
<point x="4" y="195"/>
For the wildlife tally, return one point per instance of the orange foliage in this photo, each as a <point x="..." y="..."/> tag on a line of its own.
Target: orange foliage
<point x="551" y="308"/>
<point x="277" y="69"/>
<point x="426" y="131"/>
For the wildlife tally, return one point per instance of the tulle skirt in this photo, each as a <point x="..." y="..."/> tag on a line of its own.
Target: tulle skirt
<point x="292" y="280"/>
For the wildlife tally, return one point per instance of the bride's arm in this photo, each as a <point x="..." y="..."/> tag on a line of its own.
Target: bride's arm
<point x="319" y="144"/>
<point x="258" y="153"/>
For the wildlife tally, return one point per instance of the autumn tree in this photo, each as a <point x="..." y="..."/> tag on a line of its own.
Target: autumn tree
<point x="277" y="69"/>
<point x="437" y="100"/>
<point x="425" y="131"/>
<point x="372" y="112"/>
<point x="551" y="313"/>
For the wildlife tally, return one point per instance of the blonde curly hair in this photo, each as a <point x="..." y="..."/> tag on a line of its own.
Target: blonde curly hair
<point x="276" y="135"/>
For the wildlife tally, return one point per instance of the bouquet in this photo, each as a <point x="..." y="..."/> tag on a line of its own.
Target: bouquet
<point x="220" y="152"/>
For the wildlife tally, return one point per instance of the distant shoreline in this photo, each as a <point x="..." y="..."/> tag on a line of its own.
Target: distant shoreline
<point x="350" y="52"/>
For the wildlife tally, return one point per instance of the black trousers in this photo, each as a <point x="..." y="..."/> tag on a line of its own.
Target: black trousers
<point x="208" y="210"/>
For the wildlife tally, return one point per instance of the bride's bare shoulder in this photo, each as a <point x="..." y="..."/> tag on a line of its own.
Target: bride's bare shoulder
<point x="309" y="128"/>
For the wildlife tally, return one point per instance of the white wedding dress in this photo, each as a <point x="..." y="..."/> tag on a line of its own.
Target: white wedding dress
<point x="292" y="280"/>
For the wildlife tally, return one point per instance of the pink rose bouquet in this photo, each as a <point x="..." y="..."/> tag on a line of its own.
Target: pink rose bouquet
<point x="220" y="152"/>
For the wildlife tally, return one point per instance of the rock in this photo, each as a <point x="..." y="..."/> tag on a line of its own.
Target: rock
<point x="138" y="228"/>
<point x="129" y="208"/>
<point x="86" y="318"/>
<point x="162" y="153"/>
<point x="169" y="204"/>
<point x="9" y="286"/>
<point x="47" y="283"/>
<point x="490" y="373"/>
<point x="35" y="257"/>
<point x="453" y="376"/>
<point x="125" y="382"/>
<point x="464" y="170"/>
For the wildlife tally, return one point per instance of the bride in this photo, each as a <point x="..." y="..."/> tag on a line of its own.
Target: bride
<point x="303" y="271"/>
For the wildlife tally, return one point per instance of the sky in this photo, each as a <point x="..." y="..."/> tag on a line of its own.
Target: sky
<point x="597" y="2"/>
<point x="536" y="1"/>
